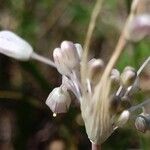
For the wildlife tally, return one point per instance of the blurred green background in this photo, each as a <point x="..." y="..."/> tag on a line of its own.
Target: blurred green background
<point x="26" y="123"/>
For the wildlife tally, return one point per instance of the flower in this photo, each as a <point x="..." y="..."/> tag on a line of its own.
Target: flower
<point x="67" y="57"/>
<point x="138" y="27"/>
<point x="14" y="46"/>
<point x="104" y="103"/>
<point x="59" y="100"/>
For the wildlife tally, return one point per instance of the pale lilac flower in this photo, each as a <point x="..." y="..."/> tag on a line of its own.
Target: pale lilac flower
<point x="59" y="100"/>
<point x="139" y="27"/>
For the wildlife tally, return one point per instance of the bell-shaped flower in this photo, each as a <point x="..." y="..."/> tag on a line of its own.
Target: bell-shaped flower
<point x="70" y="54"/>
<point x="14" y="46"/>
<point x="139" y="27"/>
<point x="66" y="57"/>
<point x="59" y="100"/>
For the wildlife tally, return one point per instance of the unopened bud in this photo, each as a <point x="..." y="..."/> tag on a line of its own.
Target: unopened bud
<point x="14" y="46"/>
<point x="115" y="79"/>
<point x="139" y="27"/>
<point x="70" y="54"/>
<point x="115" y="75"/>
<point x="123" y="118"/>
<point x="95" y="69"/>
<point x="128" y="76"/>
<point x="142" y="123"/>
<point x="59" y="100"/>
<point x="59" y="61"/>
<point x="114" y="103"/>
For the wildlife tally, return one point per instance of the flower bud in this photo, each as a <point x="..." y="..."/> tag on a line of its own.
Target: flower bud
<point x="128" y="76"/>
<point x="115" y="75"/>
<point x="70" y="54"/>
<point x="115" y="79"/>
<point x="139" y="27"/>
<point x="125" y="102"/>
<point x="14" y="46"/>
<point x="142" y="123"/>
<point x="114" y="104"/>
<point x="123" y="118"/>
<point x="59" y="61"/>
<point x="95" y="68"/>
<point x="59" y="100"/>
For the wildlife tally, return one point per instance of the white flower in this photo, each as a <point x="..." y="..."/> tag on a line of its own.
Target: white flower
<point x="59" y="100"/>
<point x="14" y="46"/>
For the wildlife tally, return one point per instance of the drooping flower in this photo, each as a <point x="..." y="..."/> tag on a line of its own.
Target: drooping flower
<point x="59" y="100"/>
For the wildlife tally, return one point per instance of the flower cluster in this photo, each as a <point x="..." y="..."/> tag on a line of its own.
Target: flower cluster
<point x="105" y="100"/>
<point x="122" y="85"/>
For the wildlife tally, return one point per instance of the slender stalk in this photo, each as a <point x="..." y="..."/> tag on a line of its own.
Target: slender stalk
<point x="134" y="108"/>
<point x="143" y="66"/>
<point x="138" y="73"/>
<point x="96" y="147"/>
<point x="43" y="59"/>
<point x="121" y="43"/>
<point x="91" y="28"/>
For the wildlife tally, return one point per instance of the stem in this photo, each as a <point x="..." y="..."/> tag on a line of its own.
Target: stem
<point x="96" y="147"/>
<point x="121" y="43"/>
<point x="133" y="108"/>
<point x="43" y="59"/>
<point x="91" y="28"/>
<point x="143" y="66"/>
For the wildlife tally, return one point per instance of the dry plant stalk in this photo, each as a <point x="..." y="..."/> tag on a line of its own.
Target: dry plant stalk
<point x="90" y="31"/>
<point x="100" y="127"/>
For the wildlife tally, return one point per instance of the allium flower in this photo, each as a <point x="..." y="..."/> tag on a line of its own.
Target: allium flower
<point x="14" y="46"/>
<point x="103" y="93"/>
<point x="104" y="107"/>
<point x="59" y="100"/>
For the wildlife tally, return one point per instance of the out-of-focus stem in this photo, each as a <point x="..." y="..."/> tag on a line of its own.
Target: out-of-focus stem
<point x="134" y="108"/>
<point x="43" y="59"/>
<point x="121" y="43"/>
<point x="96" y="147"/>
<point x="91" y="28"/>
